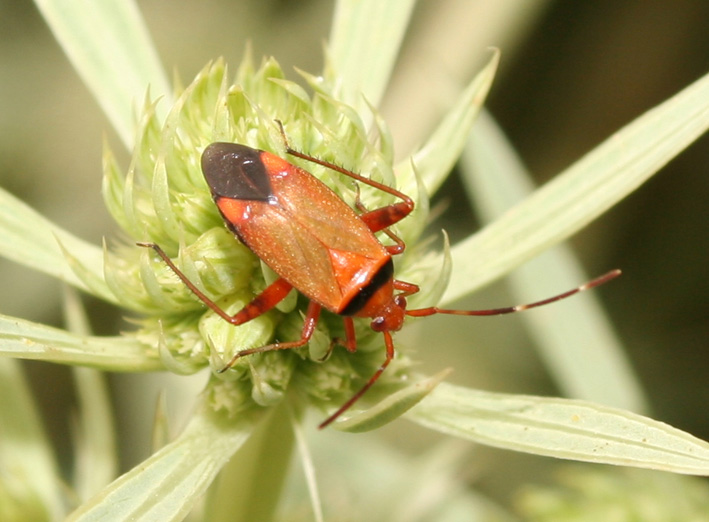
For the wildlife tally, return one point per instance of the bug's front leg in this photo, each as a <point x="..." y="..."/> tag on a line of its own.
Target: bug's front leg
<point x="381" y="218"/>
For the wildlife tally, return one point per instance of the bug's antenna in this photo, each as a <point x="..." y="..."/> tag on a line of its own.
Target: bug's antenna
<point x="608" y="276"/>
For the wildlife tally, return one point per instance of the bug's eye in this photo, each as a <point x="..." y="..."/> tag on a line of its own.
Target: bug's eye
<point x="378" y="324"/>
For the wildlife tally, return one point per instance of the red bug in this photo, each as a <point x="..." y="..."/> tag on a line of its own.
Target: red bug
<point x="319" y="245"/>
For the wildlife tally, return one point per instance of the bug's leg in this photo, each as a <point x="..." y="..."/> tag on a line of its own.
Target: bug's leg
<point x="311" y="320"/>
<point x="387" y="215"/>
<point x="379" y="220"/>
<point x="407" y="289"/>
<point x="422" y="312"/>
<point x="349" y="342"/>
<point x="389" y="356"/>
<point x="262" y="303"/>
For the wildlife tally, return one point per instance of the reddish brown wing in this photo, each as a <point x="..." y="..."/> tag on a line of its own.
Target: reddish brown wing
<point x="307" y="235"/>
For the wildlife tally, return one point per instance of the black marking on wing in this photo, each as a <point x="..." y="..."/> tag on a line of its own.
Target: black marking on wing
<point x="236" y="171"/>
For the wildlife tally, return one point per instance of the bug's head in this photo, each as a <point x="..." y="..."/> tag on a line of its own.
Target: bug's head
<point x="391" y="317"/>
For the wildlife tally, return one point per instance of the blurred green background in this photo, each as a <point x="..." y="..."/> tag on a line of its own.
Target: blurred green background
<point x="571" y="74"/>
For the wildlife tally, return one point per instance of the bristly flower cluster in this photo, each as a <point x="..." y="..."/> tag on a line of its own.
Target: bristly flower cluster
<point x="164" y="199"/>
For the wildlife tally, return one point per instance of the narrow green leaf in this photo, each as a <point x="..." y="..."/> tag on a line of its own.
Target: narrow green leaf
<point x="426" y="169"/>
<point x="96" y="462"/>
<point x="584" y="191"/>
<point x="28" y="238"/>
<point x="305" y="458"/>
<point x="436" y="59"/>
<point x="25" y="453"/>
<point x="392" y="407"/>
<point x="562" y="428"/>
<point x="593" y="493"/>
<point x="110" y="47"/>
<point x="166" y="486"/>
<point x="434" y="161"/>
<point x="430" y="487"/>
<point x="575" y="339"/>
<point x="398" y="486"/>
<point x="28" y="340"/>
<point x="363" y="46"/>
<point x="250" y="484"/>
<point x="96" y="452"/>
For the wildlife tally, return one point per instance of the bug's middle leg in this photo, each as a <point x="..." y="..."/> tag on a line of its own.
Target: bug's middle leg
<point x="311" y="320"/>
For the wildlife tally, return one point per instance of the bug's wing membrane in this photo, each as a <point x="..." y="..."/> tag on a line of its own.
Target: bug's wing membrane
<point x="287" y="247"/>
<point x="355" y="254"/>
<point x="308" y="236"/>
<point x="321" y="211"/>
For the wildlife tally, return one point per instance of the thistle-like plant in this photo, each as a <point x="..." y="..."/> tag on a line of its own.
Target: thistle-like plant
<point x="161" y="197"/>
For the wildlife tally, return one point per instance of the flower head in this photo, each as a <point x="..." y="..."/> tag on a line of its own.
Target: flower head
<point x="164" y="199"/>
